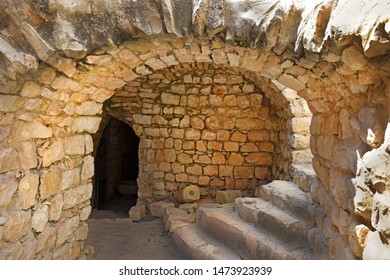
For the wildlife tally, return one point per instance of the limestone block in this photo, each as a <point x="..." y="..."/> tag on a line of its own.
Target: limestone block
<point x="65" y="83"/>
<point x="86" y="124"/>
<point x="155" y="63"/>
<point x="218" y="158"/>
<point x="170" y="99"/>
<point x="27" y="191"/>
<point x="195" y="169"/>
<point x="157" y="208"/>
<point x="10" y="103"/>
<point x="210" y="170"/>
<point x="137" y="213"/>
<point x="46" y="240"/>
<point x="27" y="155"/>
<point x="291" y="82"/>
<point x="231" y="146"/>
<point x="17" y="225"/>
<point x="190" y="193"/>
<point x="142" y="119"/>
<point x="223" y="135"/>
<point x="75" y="196"/>
<point x="354" y="58"/>
<point x="88" y="168"/>
<point x="190" y="208"/>
<point x="89" y="108"/>
<point x="82" y="232"/>
<point x="249" y="147"/>
<point x="54" y="152"/>
<point x="74" y="145"/>
<point x="248" y="123"/>
<point x="213" y="123"/>
<point x="40" y="218"/>
<point x="235" y="159"/>
<point x="66" y="229"/>
<point x="192" y="134"/>
<point x="259" y="159"/>
<point x="244" y="172"/>
<point x="228" y="196"/>
<point x="184" y="158"/>
<point x="8" y="186"/>
<point x="50" y="183"/>
<point x="70" y="178"/>
<point x="9" y="159"/>
<point x="30" y="89"/>
<point x="226" y="171"/>
<point x="55" y="208"/>
<point x="208" y="135"/>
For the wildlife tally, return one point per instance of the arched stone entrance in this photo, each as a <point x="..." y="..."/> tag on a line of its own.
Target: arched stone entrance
<point x="54" y="84"/>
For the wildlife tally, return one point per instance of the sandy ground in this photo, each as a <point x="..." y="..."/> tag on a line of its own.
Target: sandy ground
<point x="115" y="237"/>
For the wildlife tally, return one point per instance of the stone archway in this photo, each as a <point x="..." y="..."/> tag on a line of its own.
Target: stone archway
<point x="54" y="84"/>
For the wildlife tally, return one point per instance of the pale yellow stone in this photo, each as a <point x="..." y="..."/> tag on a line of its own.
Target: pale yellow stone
<point x="30" y="89"/>
<point x="55" y="208"/>
<point x="8" y="186"/>
<point x="77" y="195"/>
<point x="66" y="229"/>
<point x="40" y="218"/>
<point x="17" y="225"/>
<point x="54" y="152"/>
<point x="86" y="124"/>
<point x="88" y="168"/>
<point x="27" y="191"/>
<point x="89" y="108"/>
<point x="9" y="159"/>
<point x="50" y="183"/>
<point x="74" y="145"/>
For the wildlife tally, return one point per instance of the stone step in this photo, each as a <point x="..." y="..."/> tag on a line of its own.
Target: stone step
<point x="264" y="215"/>
<point x="287" y="196"/>
<point x="196" y="244"/>
<point x="244" y="238"/>
<point x="304" y="176"/>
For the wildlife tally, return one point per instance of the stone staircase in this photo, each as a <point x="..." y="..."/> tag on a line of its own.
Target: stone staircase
<point x="272" y="225"/>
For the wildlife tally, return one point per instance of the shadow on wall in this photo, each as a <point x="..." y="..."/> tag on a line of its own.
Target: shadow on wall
<point x="116" y="165"/>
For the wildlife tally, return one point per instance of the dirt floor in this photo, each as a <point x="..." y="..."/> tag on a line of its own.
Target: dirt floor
<point x="115" y="237"/>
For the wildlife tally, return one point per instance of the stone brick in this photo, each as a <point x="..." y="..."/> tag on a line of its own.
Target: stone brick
<point x="238" y="137"/>
<point x="170" y="99"/>
<point x="204" y="159"/>
<point x="17" y="225"/>
<point x="218" y="158"/>
<point x="214" y="146"/>
<point x="262" y="173"/>
<point x="66" y="229"/>
<point x="70" y="178"/>
<point x="9" y="159"/>
<point x="54" y="152"/>
<point x="40" y="218"/>
<point x="204" y="180"/>
<point x="235" y="159"/>
<point x="258" y="135"/>
<point x="10" y="103"/>
<point x="223" y="135"/>
<point x="195" y="169"/>
<point x="8" y="186"/>
<point x="28" y="187"/>
<point x="248" y="123"/>
<point x="89" y="108"/>
<point x="208" y="135"/>
<point x="192" y="134"/>
<point x="266" y="147"/>
<point x="243" y="172"/>
<point x="27" y="155"/>
<point x="75" y="196"/>
<point x="88" y="168"/>
<point x="55" y="208"/>
<point x="354" y="58"/>
<point x="85" y="124"/>
<point x="30" y="89"/>
<point x="181" y="177"/>
<point x="177" y="133"/>
<point x="30" y="130"/>
<point x="197" y="123"/>
<point x="50" y="183"/>
<point x="225" y="170"/>
<point x="249" y="147"/>
<point x="213" y="123"/>
<point x="142" y="119"/>
<point x="210" y="170"/>
<point x="184" y="158"/>
<point x="170" y="155"/>
<point x="259" y="158"/>
<point x="231" y="146"/>
<point x="217" y="183"/>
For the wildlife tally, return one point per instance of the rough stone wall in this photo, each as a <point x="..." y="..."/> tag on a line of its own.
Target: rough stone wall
<point x="61" y="63"/>
<point x="204" y="125"/>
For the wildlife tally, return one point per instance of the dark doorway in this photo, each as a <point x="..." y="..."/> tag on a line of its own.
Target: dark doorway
<point x="116" y="168"/>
